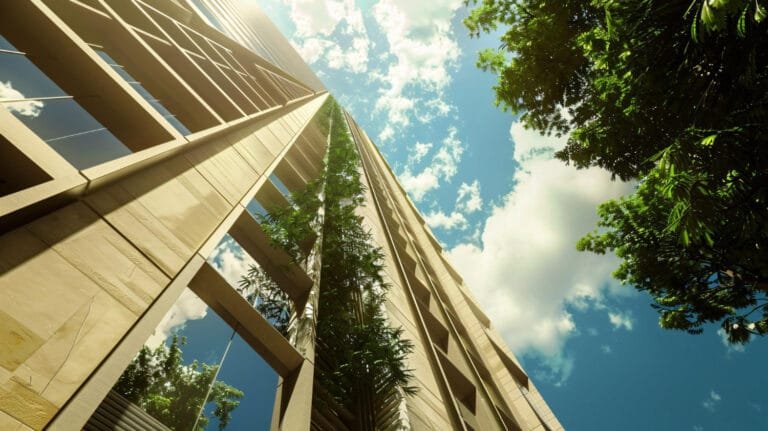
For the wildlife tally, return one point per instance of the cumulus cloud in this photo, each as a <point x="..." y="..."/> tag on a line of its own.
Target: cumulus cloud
<point x="424" y="49"/>
<point x="418" y="185"/>
<point x="354" y="58"/>
<point x="231" y="261"/>
<point x="531" y="145"/>
<point x="712" y="401"/>
<point x="606" y="349"/>
<point x="443" y="166"/>
<point x="526" y="272"/>
<point x="312" y="49"/>
<point x="439" y="219"/>
<point x="447" y="159"/>
<point x="316" y="21"/>
<point x="27" y="108"/>
<point x="621" y="320"/>
<point x="419" y="151"/>
<point x="468" y="199"/>
<point x="188" y="307"/>
<point x="386" y="134"/>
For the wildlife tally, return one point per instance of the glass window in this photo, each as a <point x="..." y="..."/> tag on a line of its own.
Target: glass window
<point x="22" y="79"/>
<point x="252" y="282"/>
<point x="143" y="92"/>
<point x="5" y="45"/>
<point x="203" y="8"/>
<point x="193" y="373"/>
<point x="280" y="186"/>
<point x="57" y="118"/>
<point x="256" y="209"/>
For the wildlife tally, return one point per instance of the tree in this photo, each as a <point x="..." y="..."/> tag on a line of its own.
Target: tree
<point x="673" y="94"/>
<point x="171" y="392"/>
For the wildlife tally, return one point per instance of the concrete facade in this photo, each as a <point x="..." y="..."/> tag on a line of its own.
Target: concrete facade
<point x="200" y="108"/>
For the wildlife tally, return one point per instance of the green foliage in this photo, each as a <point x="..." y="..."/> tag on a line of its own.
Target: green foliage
<point x="290" y="227"/>
<point x="672" y="93"/>
<point x="361" y="359"/>
<point x="265" y="295"/>
<point x="159" y="382"/>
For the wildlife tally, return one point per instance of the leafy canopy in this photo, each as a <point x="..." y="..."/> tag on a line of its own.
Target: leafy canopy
<point x="673" y="94"/>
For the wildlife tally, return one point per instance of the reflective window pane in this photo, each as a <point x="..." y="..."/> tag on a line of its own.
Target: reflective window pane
<point x="25" y="91"/>
<point x="143" y="92"/>
<point x="203" y="8"/>
<point x="193" y="373"/>
<point x="253" y="283"/>
<point x="70" y="130"/>
<point x="256" y="209"/>
<point x="4" y="44"/>
<point x="21" y="79"/>
<point x="258" y="383"/>
<point x="280" y="186"/>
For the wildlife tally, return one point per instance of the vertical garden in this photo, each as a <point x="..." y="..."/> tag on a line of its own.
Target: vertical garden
<point x="360" y="374"/>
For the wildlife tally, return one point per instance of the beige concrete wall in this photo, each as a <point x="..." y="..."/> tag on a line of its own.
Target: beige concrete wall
<point x="500" y="396"/>
<point x="76" y="280"/>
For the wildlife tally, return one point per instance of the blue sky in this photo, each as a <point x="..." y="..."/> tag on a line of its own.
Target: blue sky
<point x="509" y="216"/>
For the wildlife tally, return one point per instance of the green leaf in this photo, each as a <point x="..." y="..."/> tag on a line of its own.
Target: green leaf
<point x="760" y="12"/>
<point x="695" y="29"/>
<point x="741" y="26"/>
<point x="708" y="141"/>
<point x="684" y="237"/>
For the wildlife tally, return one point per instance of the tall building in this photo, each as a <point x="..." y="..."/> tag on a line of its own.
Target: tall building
<point x="139" y="142"/>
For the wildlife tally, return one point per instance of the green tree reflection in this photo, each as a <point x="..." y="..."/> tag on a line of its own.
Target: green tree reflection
<point x="158" y="381"/>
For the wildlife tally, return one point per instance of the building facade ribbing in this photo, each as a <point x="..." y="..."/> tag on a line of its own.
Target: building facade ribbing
<point x="137" y="136"/>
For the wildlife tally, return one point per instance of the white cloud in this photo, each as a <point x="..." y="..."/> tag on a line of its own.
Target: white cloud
<point x="532" y="145"/>
<point x="188" y="307"/>
<point x="621" y="320"/>
<point x="527" y="272"/>
<point x="420" y="184"/>
<point x="711" y="402"/>
<point x="419" y="151"/>
<point x="313" y="48"/>
<point x="420" y="38"/>
<point x="469" y="199"/>
<point x="438" y="219"/>
<point x="231" y="261"/>
<point x="27" y="108"/>
<point x="386" y="134"/>
<point x="312" y="17"/>
<point x="443" y="167"/>
<point x="606" y="349"/>
<point x="557" y="367"/>
<point x="447" y="159"/>
<point x="730" y="347"/>
<point x="315" y="23"/>
<point x="354" y="58"/>
<point x="698" y="428"/>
